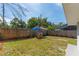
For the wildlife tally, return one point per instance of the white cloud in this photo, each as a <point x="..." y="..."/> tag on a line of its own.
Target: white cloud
<point x="34" y="7"/>
<point x="7" y="20"/>
<point x="59" y="4"/>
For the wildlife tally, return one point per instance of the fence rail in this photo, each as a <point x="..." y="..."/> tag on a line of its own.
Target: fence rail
<point x="14" y="33"/>
<point x="20" y="33"/>
<point x="64" y="33"/>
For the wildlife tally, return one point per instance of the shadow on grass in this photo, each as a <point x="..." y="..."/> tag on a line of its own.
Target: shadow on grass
<point x="19" y="38"/>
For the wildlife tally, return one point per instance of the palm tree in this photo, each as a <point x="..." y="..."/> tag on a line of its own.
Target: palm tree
<point x="16" y="12"/>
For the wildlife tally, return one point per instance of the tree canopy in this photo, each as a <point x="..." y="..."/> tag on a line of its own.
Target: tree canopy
<point x="38" y="21"/>
<point x="32" y="22"/>
<point x="17" y="23"/>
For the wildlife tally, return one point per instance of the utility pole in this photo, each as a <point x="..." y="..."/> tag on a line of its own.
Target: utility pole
<point x="3" y="7"/>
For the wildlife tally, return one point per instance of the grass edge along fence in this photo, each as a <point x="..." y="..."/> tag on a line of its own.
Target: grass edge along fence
<point x="27" y="33"/>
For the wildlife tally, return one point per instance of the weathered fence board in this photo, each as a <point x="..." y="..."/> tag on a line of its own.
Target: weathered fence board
<point x="20" y="33"/>
<point x="14" y="33"/>
<point x="64" y="33"/>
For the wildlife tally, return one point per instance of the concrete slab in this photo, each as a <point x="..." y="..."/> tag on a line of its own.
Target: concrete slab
<point x="72" y="50"/>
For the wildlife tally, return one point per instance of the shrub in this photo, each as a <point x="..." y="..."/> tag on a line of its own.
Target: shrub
<point x="50" y="27"/>
<point x="39" y="35"/>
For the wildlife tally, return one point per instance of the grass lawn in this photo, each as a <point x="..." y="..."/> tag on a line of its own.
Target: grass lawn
<point x="72" y="41"/>
<point x="48" y="46"/>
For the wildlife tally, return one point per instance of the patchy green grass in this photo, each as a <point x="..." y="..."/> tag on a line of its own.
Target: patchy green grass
<point x="72" y="41"/>
<point x="48" y="46"/>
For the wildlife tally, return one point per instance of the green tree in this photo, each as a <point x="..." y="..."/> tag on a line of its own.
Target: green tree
<point x="51" y="26"/>
<point x="43" y="22"/>
<point x="37" y="21"/>
<point x="33" y="22"/>
<point x="5" y="24"/>
<point x="60" y="24"/>
<point x="17" y="23"/>
<point x="16" y="12"/>
<point x="22" y="24"/>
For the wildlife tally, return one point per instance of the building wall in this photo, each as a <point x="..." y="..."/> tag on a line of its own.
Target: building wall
<point x="78" y="36"/>
<point x="71" y="12"/>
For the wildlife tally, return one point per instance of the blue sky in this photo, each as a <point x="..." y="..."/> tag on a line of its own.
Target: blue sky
<point x="53" y="11"/>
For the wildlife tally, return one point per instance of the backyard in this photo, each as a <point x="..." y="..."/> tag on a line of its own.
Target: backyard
<point x="27" y="31"/>
<point x="47" y="46"/>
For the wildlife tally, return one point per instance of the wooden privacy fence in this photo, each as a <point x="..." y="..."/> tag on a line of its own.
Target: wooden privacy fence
<point x="64" y="33"/>
<point x="15" y="33"/>
<point x="25" y="33"/>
